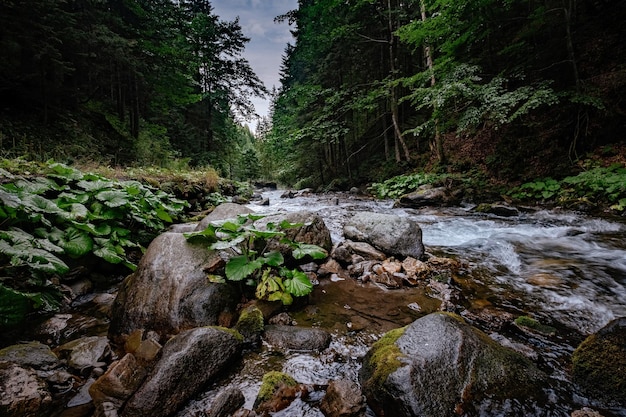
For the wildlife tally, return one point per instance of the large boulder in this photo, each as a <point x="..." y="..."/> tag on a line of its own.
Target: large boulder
<point x="599" y="364"/>
<point x="188" y="362"/>
<point x="439" y="366"/>
<point x="313" y="230"/>
<point x="425" y="196"/>
<point x="391" y="234"/>
<point x="169" y="292"/>
<point x="222" y="212"/>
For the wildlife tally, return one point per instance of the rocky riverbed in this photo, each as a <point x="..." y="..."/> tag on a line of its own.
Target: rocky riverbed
<point x="425" y="311"/>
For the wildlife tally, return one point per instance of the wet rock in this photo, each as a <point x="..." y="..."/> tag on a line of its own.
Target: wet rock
<point x="119" y="382"/>
<point x="222" y="212"/>
<point x="502" y="210"/>
<point x="250" y="325"/>
<point x="81" y="287"/>
<point x="226" y="403"/>
<point x="86" y="352"/>
<point x="312" y="231"/>
<point x="425" y="196"/>
<point x="297" y="338"/>
<point x="23" y="393"/>
<point x="440" y="366"/>
<point x="391" y="234"/>
<point x="586" y="412"/>
<point x="489" y="317"/>
<point x="277" y="391"/>
<point x="169" y="291"/>
<point x="82" y="397"/>
<point x="52" y="329"/>
<point x="283" y="319"/>
<point x="329" y="267"/>
<point x="33" y="354"/>
<point x="188" y="362"/>
<point x="599" y="364"/>
<point x="346" y="250"/>
<point x="288" y="194"/>
<point x="343" y="399"/>
<point x="415" y="270"/>
<point x="183" y="228"/>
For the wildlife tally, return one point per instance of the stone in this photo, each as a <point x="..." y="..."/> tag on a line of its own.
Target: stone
<point x="343" y="399"/>
<point x="33" y="354"/>
<point x="86" y="352"/>
<point x="169" y="292"/>
<point x="440" y="366"/>
<point x="23" y="393"/>
<point x="118" y="383"/>
<point x="222" y="212"/>
<point x="599" y="364"/>
<point x="425" y="196"/>
<point x="394" y="235"/>
<point x="226" y="403"/>
<point x="312" y="231"/>
<point x="415" y="270"/>
<point x="189" y="361"/>
<point x="82" y="397"/>
<point x="296" y="338"/>
<point x="364" y="249"/>
<point x="277" y="391"/>
<point x="250" y="325"/>
<point x="586" y="412"/>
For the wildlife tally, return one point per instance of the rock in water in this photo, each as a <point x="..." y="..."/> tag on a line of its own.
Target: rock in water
<point x="297" y="338"/>
<point x="343" y="399"/>
<point x="222" y="212"/>
<point x="169" y="292"/>
<point x="439" y="366"/>
<point x="394" y="235"/>
<point x="599" y="364"/>
<point x="188" y="362"/>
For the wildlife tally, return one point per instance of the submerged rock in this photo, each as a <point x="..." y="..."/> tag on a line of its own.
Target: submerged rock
<point x="188" y="362"/>
<point x="599" y="364"/>
<point x="439" y="366"/>
<point x="169" y="292"/>
<point x="391" y="234"/>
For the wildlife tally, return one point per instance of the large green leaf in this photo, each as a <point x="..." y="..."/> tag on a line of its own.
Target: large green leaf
<point x="98" y="185"/>
<point x="76" y="243"/>
<point x="304" y="249"/>
<point x="273" y="259"/>
<point x="75" y="211"/>
<point x="14" y="306"/>
<point x="108" y="251"/>
<point x="9" y="200"/>
<point x="113" y="198"/>
<point x="227" y="244"/>
<point x="37" y="203"/>
<point x="299" y="284"/>
<point x="240" y="267"/>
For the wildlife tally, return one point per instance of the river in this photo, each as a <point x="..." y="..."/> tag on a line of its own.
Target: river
<point x="565" y="269"/>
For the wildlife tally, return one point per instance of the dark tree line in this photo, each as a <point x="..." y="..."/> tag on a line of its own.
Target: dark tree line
<point x="127" y="80"/>
<point x="373" y="87"/>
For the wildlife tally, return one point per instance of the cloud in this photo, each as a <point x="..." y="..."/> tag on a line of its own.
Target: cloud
<point x="268" y="39"/>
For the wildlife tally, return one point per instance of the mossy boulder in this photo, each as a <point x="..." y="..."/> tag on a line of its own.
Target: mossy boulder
<point x="599" y="364"/>
<point x="440" y="366"/>
<point x="251" y="325"/>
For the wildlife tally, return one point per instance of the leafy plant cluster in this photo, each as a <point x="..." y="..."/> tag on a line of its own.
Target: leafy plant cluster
<point x="600" y="184"/>
<point x="255" y="263"/>
<point x="48" y="221"/>
<point x="402" y="184"/>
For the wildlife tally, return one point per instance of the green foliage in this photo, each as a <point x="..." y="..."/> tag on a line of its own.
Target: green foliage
<point x="47" y="221"/>
<point x="254" y="263"/>
<point x="599" y="184"/>
<point x="402" y="184"/>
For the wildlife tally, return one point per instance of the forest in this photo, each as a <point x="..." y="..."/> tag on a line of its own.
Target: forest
<point x="509" y="90"/>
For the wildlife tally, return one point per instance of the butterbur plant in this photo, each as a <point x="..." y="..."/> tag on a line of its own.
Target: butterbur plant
<point x="254" y="261"/>
<point x="47" y="221"/>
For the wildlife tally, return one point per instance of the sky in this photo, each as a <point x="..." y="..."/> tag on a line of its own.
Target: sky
<point x="268" y="40"/>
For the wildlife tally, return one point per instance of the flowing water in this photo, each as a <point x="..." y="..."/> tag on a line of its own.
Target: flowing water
<point x="565" y="269"/>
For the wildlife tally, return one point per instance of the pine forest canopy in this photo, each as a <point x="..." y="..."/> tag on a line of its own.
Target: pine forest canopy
<point x="370" y="88"/>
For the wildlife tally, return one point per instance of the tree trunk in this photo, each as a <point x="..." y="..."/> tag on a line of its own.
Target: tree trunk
<point x="436" y="144"/>
<point x="393" y="95"/>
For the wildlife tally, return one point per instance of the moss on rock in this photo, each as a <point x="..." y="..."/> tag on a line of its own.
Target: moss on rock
<point x="599" y="364"/>
<point x="272" y="381"/>
<point x="381" y="360"/>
